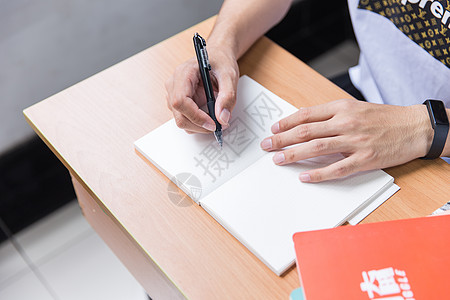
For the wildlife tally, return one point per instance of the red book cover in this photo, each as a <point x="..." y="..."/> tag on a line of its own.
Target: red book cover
<point x="396" y="260"/>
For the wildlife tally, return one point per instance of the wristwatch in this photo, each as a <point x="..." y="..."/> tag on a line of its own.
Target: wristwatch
<point x="439" y="122"/>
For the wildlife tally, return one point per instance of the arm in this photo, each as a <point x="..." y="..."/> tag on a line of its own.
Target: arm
<point x="239" y="24"/>
<point x="446" y="150"/>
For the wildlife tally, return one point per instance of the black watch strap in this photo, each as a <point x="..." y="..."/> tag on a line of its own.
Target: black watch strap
<point x="439" y="122"/>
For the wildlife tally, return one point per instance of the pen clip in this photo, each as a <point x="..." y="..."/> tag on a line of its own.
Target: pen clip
<point x="205" y="60"/>
<point x="203" y="53"/>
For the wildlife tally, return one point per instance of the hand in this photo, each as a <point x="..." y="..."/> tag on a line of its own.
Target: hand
<point x="185" y="93"/>
<point x="370" y="136"/>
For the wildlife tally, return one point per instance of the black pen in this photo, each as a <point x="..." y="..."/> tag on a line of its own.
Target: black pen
<point x="205" y="67"/>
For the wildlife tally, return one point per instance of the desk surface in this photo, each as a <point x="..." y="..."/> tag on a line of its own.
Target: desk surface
<point x="91" y="127"/>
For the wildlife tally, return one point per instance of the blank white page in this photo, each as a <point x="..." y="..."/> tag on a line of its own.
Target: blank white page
<point x="174" y="152"/>
<point x="266" y="204"/>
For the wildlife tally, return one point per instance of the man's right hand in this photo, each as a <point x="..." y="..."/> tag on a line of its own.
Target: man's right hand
<point x="237" y="27"/>
<point x="185" y="92"/>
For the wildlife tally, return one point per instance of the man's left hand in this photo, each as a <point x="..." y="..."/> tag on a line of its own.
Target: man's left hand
<point x="370" y="136"/>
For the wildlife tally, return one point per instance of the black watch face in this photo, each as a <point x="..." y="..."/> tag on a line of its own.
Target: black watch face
<point x="439" y="113"/>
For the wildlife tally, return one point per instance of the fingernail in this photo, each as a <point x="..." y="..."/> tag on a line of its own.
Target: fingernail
<point x="278" y="158"/>
<point x="275" y="128"/>
<point x="266" y="144"/>
<point x="305" y="177"/>
<point x="225" y="116"/>
<point x="209" y="126"/>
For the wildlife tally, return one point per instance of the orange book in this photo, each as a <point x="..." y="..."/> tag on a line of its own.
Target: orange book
<point x="396" y="260"/>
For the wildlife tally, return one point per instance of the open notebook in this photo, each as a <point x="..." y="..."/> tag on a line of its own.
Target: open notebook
<point x="259" y="203"/>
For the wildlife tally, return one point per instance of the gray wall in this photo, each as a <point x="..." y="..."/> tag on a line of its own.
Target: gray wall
<point x="48" y="45"/>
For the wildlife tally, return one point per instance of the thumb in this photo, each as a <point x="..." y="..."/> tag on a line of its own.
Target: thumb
<point x="226" y="98"/>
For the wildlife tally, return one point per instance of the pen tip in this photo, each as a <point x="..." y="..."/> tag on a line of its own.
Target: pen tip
<point x="218" y="135"/>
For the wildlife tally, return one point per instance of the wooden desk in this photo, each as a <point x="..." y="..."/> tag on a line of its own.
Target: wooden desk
<point x="173" y="250"/>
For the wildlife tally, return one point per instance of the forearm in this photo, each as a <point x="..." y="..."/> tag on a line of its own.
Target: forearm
<point x="241" y="22"/>
<point x="446" y="151"/>
<point x="420" y="127"/>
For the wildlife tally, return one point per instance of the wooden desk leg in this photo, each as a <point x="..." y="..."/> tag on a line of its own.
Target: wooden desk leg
<point x="143" y="268"/>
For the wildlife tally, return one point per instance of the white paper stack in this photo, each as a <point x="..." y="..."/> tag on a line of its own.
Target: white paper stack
<point x="258" y="202"/>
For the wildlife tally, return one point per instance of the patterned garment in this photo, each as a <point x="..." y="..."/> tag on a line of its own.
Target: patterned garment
<point x="425" y="22"/>
<point x="405" y="50"/>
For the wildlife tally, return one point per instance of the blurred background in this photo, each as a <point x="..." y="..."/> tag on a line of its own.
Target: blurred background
<point x="47" y="250"/>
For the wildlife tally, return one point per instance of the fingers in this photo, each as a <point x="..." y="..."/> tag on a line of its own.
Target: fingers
<point x="181" y="90"/>
<point x="184" y="123"/>
<point x="370" y="136"/>
<point x="299" y="134"/>
<point x="305" y="115"/>
<point x="336" y="170"/>
<point x="316" y="148"/>
<point x="197" y="117"/>
<point x="319" y="131"/>
<point x="311" y="149"/>
<point x="226" y="99"/>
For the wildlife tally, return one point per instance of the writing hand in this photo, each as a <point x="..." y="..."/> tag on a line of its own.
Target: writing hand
<point x="185" y="93"/>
